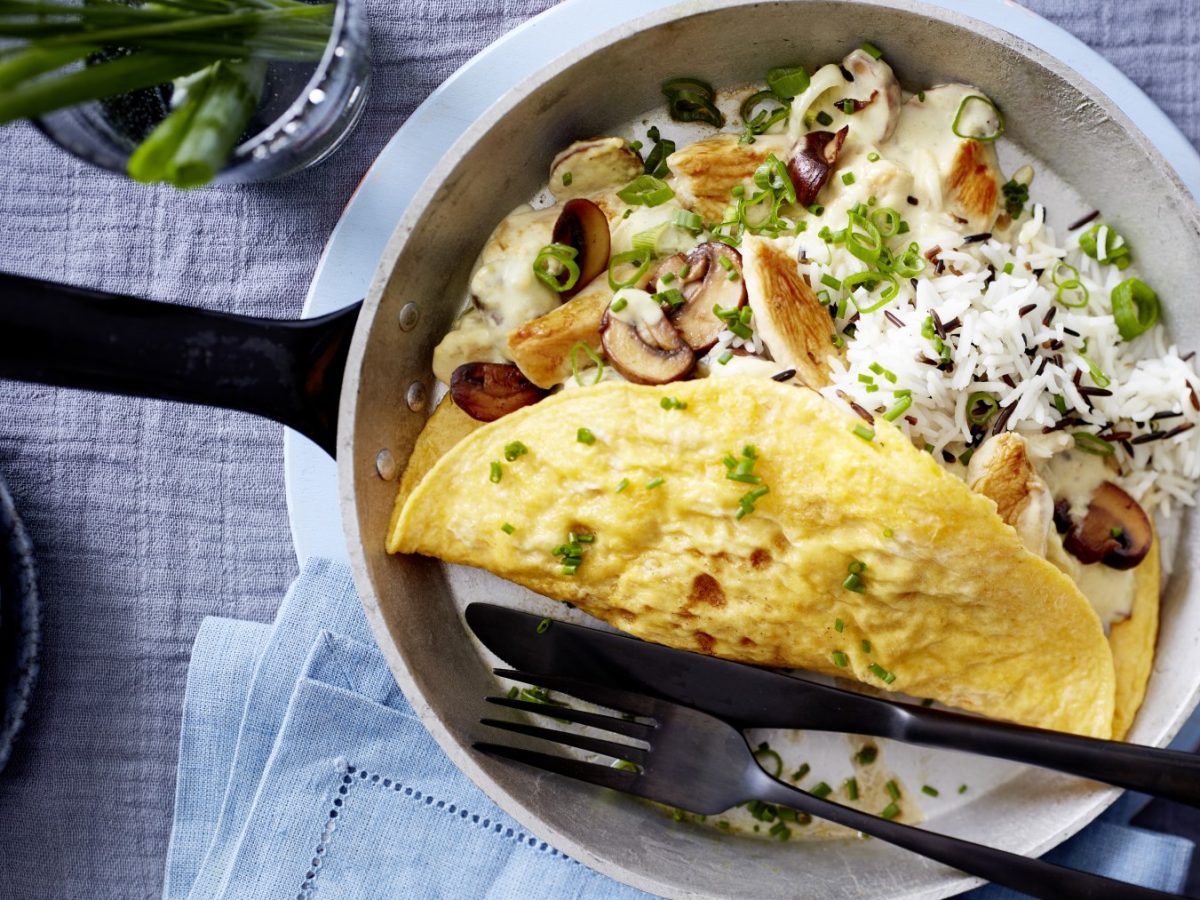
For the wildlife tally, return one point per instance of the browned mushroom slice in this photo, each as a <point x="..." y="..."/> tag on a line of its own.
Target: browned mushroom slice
<point x="487" y="391"/>
<point x="648" y="349"/>
<point x="708" y="283"/>
<point x="812" y="163"/>
<point x="583" y="225"/>
<point x="542" y="347"/>
<point x="792" y="322"/>
<point x="1116" y="530"/>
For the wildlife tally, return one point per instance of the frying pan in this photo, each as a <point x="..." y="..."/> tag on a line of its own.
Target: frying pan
<point x="358" y="383"/>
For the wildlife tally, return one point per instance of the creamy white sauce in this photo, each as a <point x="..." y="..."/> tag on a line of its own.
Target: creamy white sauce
<point x="639" y="310"/>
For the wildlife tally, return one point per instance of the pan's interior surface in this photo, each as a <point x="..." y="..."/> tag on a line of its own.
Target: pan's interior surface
<point x="1054" y="117"/>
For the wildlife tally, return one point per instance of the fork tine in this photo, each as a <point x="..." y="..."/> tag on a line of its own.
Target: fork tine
<point x="579" y="741"/>
<point x="605" y="776"/>
<point x="613" y="698"/>
<point x="578" y="716"/>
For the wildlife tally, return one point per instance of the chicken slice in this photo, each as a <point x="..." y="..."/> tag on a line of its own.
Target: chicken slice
<point x="707" y="171"/>
<point x="541" y="348"/>
<point x="793" y="323"/>
<point x="1002" y="471"/>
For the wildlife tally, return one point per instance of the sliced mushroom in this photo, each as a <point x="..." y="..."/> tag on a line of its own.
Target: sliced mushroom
<point x="707" y="171"/>
<point x="487" y="391"/>
<point x="1116" y="530"/>
<point x="583" y="225"/>
<point x="594" y="165"/>
<point x="542" y="347"/>
<point x="793" y="323"/>
<point x="642" y="345"/>
<point x="812" y="163"/>
<point x="1002" y="471"/>
<point x="708" y="284"/>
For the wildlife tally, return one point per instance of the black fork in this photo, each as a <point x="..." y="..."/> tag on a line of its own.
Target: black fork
<point x="701" y="764"/>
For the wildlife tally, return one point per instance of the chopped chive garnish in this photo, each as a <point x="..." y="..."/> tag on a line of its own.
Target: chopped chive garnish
<point x="847" y="106"/>
<point x="673" y="402"/>
<point x="723" y="825"/>
<point x="654" y="482"/>
<point x="848" y="178"/>
<point x="585" y="436"/>
<point x="871" y="50"/>
<point x="872" y="156"/>
<point x="893" y="790"/>
<point x="507" y="528"/>
<point x="854" y="583"/>
<point x="821" y="789"/>
<point x="514" y="692"/>
<point x="1117" y="532"/>
<point x="567" y="179"/>
<point x="931" y="791"/>
<point x="1008" y="268"/>
<point x="514" y="450"/>
<point x="852" y="788"/>
<point x="496" y="473"/>
<point x="857" y="568"/>
<point x="543" y="626"/>
<point x="824" y="118"/>
<point x="890" y="811"/>
<point x="725" y="357"/>
<point x="867" y="434"/>
<point x="889" y="533"/>
<point x="866" y="646"/>
<point x="804" y="769"/>
<point x="838" y="625"/>
<point x="962" y="788"/>
<point x="619" y="304"/>
<point x="817" y="209"/>
<point x="867" y="755"/>
<point x="878" y="671"/>
<point x="622" y="484"/>
<point x="840" y="660"/>
<point x="897" y="409"/>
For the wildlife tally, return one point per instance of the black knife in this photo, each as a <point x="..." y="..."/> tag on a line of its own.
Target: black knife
<point x="750" y="697"/>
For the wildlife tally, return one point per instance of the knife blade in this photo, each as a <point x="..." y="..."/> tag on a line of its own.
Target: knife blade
<point x="741" y="694"/>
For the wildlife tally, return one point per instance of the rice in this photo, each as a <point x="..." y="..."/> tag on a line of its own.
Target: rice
<point x="1049" y="367"/>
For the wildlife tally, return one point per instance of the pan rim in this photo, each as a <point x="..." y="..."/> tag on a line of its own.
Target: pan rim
<point x="411" y="681"/>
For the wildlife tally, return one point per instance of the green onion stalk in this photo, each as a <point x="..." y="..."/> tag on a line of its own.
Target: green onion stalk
<point x="214" y="52"/>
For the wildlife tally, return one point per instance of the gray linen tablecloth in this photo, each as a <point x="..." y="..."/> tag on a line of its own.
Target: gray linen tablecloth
<point x="148" y="516"/>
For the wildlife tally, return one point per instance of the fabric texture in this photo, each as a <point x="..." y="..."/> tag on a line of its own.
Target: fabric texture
<point x="315" y="778"/>
<point x="147" y="516"/>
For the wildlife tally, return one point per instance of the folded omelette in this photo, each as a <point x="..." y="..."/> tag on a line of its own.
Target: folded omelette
<point x="758" y="522"/>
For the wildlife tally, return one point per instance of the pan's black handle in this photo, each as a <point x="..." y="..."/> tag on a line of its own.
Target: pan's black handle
<point x="287" y="370"/>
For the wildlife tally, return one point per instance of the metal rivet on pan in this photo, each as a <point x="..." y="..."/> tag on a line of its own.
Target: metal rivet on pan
<point x="416" y="396"/>
<point x="385" y="464"/>
<point x="408" y="316"/>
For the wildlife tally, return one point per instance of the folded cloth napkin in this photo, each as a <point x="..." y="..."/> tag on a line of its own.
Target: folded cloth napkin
<point x="303" y="772"/>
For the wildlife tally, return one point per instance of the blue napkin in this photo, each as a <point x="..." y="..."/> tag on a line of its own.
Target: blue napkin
<point x="303" y="772"/>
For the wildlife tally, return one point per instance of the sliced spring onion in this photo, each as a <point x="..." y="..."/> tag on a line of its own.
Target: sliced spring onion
<point x="507" y="528"/>
<point x="821" y="789"/>
<point x="848" y="178"/>
<point x="1072" y="294"/>
<point x="871" y="50"/>
<point x="1135" y="308"/>
<point x="824" y="118"/>
<point x="928" y="789"/>
<point x="590" y="354"/>
<point x="965" y="108"/>
<point x="890" y="811"/>
<point x="771" y="761"/>
<point x="840" y="660"/>
<point x="1115" y="251"/>
<point x="544" y="625"/>
<point x="911" y="262"/>
<point x="656" y="159"/>
<point x="863" y="239"/>
<point x="552" y="262"/>
<point x="1093" y="444"/>
<point x="692" y="100"/>
<point x="646" y="190"/>
<point x="639" y="258"/>
<point x="495" y="473"/>
<point x="585" y="436"/>
<point x="567" y="179"/>
<point x="688" y="221"/>
<point x="981" y="406"/>
<point x="514" y="450"/>
<point x="619" y="304"/>
<point x="1099" y="378"/>
<point x="870" y="280"/>
<point x="892" y="789"/>
<point x="851" y="786"/>
<point x="725" y="357"/>
<point x="830" y="282"/>
<point x="647" y="241"/>
<point x="787" y="82"/>
<point x="654" y="482"/>
<point x="1063" y="272"/>
<point x="899" y="408"/>
<point x="886" y="220"/>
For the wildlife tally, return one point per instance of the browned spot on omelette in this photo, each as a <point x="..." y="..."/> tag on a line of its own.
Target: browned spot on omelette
<point x="706" y="589"/>
<point x="760" y="558"/>
<point x="706" y="642"/>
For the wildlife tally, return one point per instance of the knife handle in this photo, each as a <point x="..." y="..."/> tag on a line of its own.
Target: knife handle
<point x="1163" y="773"/>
